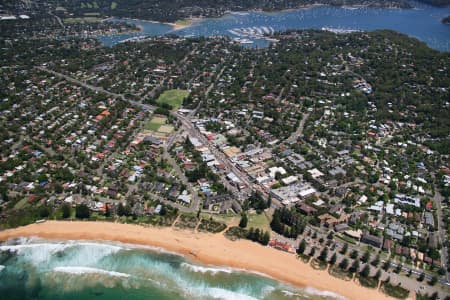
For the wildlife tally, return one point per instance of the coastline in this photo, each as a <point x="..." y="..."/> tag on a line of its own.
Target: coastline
<point x="206" y="248"/>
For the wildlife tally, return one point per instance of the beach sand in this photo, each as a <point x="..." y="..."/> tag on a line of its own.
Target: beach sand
<point x="211" y="249"/>
<point x="182" y="24"/>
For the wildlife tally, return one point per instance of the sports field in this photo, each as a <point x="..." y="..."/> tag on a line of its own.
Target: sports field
<point x="173" y="97"/>
<point x="155" y="123"/>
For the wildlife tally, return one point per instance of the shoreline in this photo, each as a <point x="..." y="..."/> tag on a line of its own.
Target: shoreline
<point x="175" y="25"/>
<point x="205" y="248"/>
<point x="188" y="22"/>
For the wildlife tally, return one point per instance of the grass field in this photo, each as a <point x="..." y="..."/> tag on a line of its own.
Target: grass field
<point x="155" y="123"/>
<point x="166" y="129"/>
<point x="258" y="221"/>
<point x="159" y="120"/>
<point x="173" y="97"/>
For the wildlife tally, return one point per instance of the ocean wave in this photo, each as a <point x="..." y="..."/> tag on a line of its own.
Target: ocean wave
<point x="89" y="270"/>
<point x="290" y="294"/>
<point x="150" y="248"/>
<point x="36" y="253"/>
<point x="201" y="269"/>
<point x="218" y="293"/>
<point x="81" y="253"/>
<point x="267" y="290"/>
<point x="2" y="267"/>
<point x="315" y="292"/>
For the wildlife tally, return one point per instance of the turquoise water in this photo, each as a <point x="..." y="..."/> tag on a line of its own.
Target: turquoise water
<point x="40" y="269"/>
<point x="423" y="22"/>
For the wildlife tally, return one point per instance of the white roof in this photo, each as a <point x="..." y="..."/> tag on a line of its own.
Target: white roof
<point x="275" y="170"/>
<point x="185" y="198"/>
<point x="315" y="173"/>
<point x="307" y="192"/>
<point x="390" y="208"/>
<point x="289" y="180"/>
<point x="362" y="199"/>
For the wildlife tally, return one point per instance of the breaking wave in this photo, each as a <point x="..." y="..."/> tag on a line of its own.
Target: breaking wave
<point x="316" y="292"/>
<point x="218" y="293"/>
<point x="88" y="270"/>
<point x="201" y="269"/>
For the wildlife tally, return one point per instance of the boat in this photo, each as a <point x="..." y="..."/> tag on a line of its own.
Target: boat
<point x="242" y="41"/>
<point x="265" y="29"/>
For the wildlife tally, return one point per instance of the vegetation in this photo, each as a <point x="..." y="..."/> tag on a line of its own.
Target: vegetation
<point x="210" y="225"/>
<point x="257" y="235"/>
<point x="187" y="221"/>
<point x="395" y="291"/>
<point x="287" y="222"/>
<point x="82" y="211"/>
<point x="236" y="232"/>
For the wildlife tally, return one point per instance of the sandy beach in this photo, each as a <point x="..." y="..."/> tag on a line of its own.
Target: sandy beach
<point x="211" y="249"/>
<point x="182" y="24"/>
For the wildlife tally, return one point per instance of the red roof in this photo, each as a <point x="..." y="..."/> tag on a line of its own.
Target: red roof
<point x="279" y="245"/>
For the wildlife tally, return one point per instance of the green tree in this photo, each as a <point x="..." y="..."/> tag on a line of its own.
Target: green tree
<point x="44" y="211"/>
<point x="65" y="210"/>
<point x="301" y="247"/>
<point x="387" y="265"/>
<point x="312" y="252"/>
<point x="265" y="238"/>
<point x="376" y="261"/>
<point x="244" y="220"/>
<point x="120" y="209"/>
<point x="354" y="268"/>
<point x="323" y="254"/>
<point x="344" y="249"/>
<point x="82" y="211"/>
<point x="365" y="272"/>
<point x="433" y="280"/>
<point x="344" y="264"/>
<point x="330" y="235"/>
<point x="366" y="256"/>
<point x="333" y="258"/>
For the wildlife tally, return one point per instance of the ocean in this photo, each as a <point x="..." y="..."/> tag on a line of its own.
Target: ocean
<point x="423" y="23"/>
<point x="32" y="268"/>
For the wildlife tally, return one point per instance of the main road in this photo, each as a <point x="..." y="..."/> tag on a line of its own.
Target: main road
<point x="441" y="232"/>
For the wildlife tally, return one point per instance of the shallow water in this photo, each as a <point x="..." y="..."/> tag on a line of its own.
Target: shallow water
<point x="424" y="23"/>
<point x="40" y="269"/>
